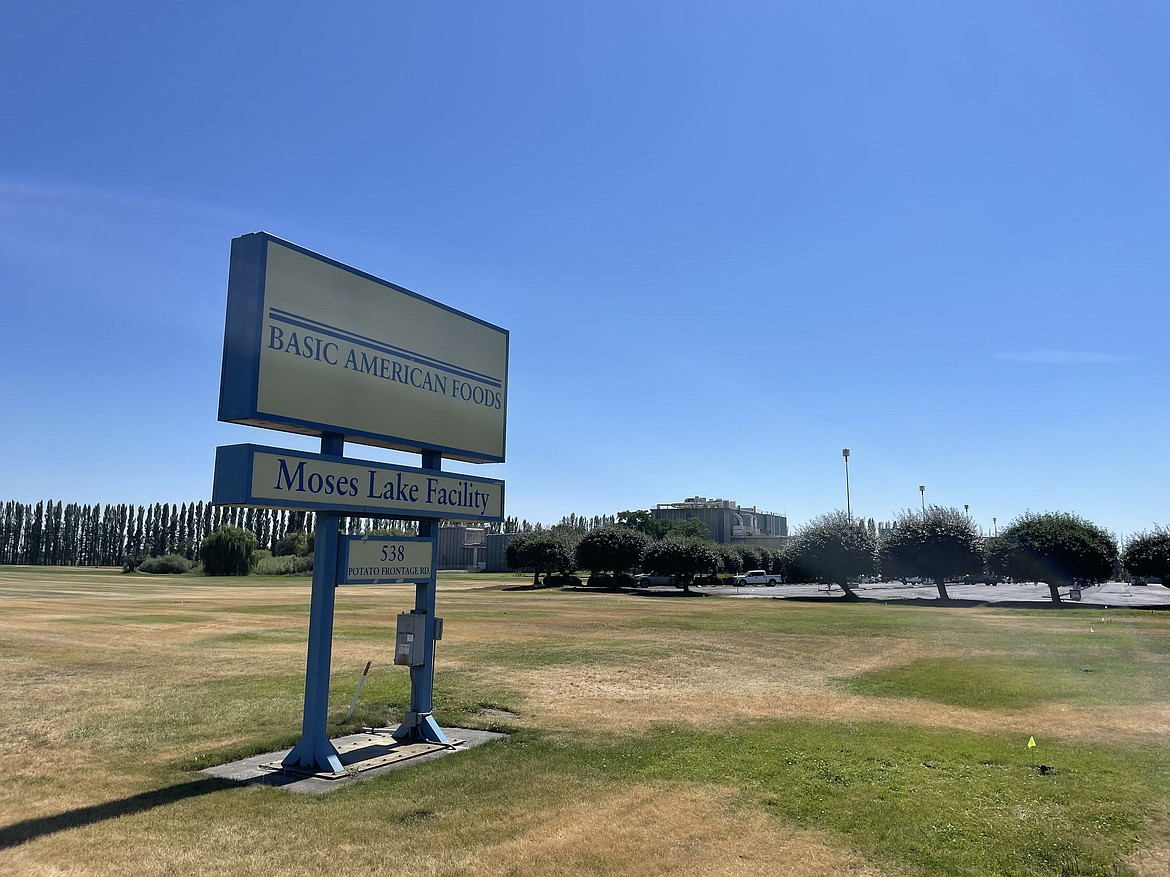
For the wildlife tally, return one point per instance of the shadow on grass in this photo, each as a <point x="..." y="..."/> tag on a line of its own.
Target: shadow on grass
<point x="953" y="603"/>
<point x="633" y="592"/>
<point x="936" y="602"/>
<point x="654" y="592"/>
<point x="31" y="829"/>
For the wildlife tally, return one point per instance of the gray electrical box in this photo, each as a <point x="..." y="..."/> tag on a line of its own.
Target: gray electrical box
<point x="410" y="644"/>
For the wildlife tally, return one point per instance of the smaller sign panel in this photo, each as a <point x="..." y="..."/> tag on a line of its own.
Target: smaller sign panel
<point x="254" y="475"/>
<point x="385" y="560"/>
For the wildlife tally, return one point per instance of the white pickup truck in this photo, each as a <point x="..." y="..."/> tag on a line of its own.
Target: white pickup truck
<point x="757" y="577"/>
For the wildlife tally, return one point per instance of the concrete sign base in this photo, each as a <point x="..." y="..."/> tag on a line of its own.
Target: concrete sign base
<point x="363" y="756"/>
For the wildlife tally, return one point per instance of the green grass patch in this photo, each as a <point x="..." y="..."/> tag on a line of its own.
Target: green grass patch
<point x="341" y="631"/>
<point x="940" y="801"/>
<point x="1083" y="631"/>
<point x="471" y="612"/>
<point x="382" y="633"/>
<point x="253" y="637"/>
<point x="293" y="608"/>
<point x="65" y="571"/>
<point x="175" y="721"/>
<point x="177" y="716"/>
<point x="918" y="802"/>
<point x="1021" y="681"/>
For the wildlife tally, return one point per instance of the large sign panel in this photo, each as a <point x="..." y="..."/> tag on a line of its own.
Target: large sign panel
<point x="254" y="475"/>
<point x="313" y="346"/>
<point x="385" y="560"/>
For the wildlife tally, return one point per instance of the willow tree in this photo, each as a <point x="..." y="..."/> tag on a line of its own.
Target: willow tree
<point x="229" y="551"/>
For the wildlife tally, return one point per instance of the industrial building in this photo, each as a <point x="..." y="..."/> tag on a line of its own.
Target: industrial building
<point x="462" y="547"/>
<point x="473" y="548"/>
<point x="727" y="522"/>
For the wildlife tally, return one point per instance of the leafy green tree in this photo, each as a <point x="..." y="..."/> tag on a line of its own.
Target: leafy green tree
<point x="292" y="543"/>
<point x="613" y="549"/>
<point x="1057" y="548"/>
<point x="229" y="551"/>
<point x="1148" y="554"/>
<point x="582" y="524"/>
<point x="171" y="536"/>
<point x="701" y="557"/>
<point x="682" y="558"/>
<point x="687" y="528"/>
<point x="640" y="520"/>
<point x="53" y="526"/>
<point x="773" y="561"/>
<point x="541" y="551"/>
<point x="645" y="522"/>
<point x="935" y="544"/>
<point x="832" y="549"/>
<point x="35" y="535"/>
<point x="730" y="560"/>
<point x="749" y="556"/>
<point x="168" y="563"/>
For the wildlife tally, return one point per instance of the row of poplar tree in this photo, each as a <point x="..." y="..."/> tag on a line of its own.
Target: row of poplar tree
<point x="52" y="533"/>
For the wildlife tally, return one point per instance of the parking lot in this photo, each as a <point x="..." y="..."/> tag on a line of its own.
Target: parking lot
<point x="1110" y="594"/>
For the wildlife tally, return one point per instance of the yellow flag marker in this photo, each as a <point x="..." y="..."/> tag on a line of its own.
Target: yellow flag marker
<point x="1031" y="742"/>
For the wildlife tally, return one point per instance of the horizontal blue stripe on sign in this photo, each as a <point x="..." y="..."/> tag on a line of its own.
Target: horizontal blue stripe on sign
<point x="278" y="315"/>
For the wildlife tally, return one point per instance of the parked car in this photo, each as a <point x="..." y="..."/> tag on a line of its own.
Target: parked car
<point x="757" y="577"/>
<point x="654" y="578"/>
<point x="981" y="579"/>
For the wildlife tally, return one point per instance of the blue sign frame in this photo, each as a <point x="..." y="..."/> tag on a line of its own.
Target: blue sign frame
<point x="239" y="400"/>
<point x="234" y="468"/>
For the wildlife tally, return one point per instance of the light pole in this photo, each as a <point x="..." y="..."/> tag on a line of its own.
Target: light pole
<point x="848" y="508"/>
<point x="922" y="490"/>
<point x="967" y="511"/>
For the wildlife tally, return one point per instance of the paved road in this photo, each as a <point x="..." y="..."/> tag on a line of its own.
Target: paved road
<point x="1116" y="594"/>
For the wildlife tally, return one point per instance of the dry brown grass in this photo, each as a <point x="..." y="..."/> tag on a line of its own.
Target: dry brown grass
<point x="649" y="830"/>
<point x="671" y="694"/>
<point x="640" y="830"/>
<point x="65" y="659"/>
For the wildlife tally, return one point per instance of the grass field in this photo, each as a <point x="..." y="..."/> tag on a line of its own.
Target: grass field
<point x="650" y="736"/>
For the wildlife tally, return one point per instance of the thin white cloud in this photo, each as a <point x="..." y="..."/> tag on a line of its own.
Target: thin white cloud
<point x="17" y="193"/>
<point x="1063" y="357"/>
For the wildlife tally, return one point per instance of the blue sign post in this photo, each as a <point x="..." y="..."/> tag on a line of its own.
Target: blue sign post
<point x="419" y="726"/>
<point x="315" y="347"/>
<point x="314" y="751"/>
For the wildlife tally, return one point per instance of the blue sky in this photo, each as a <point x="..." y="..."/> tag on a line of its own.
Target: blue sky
<point x="728" y="239"/>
